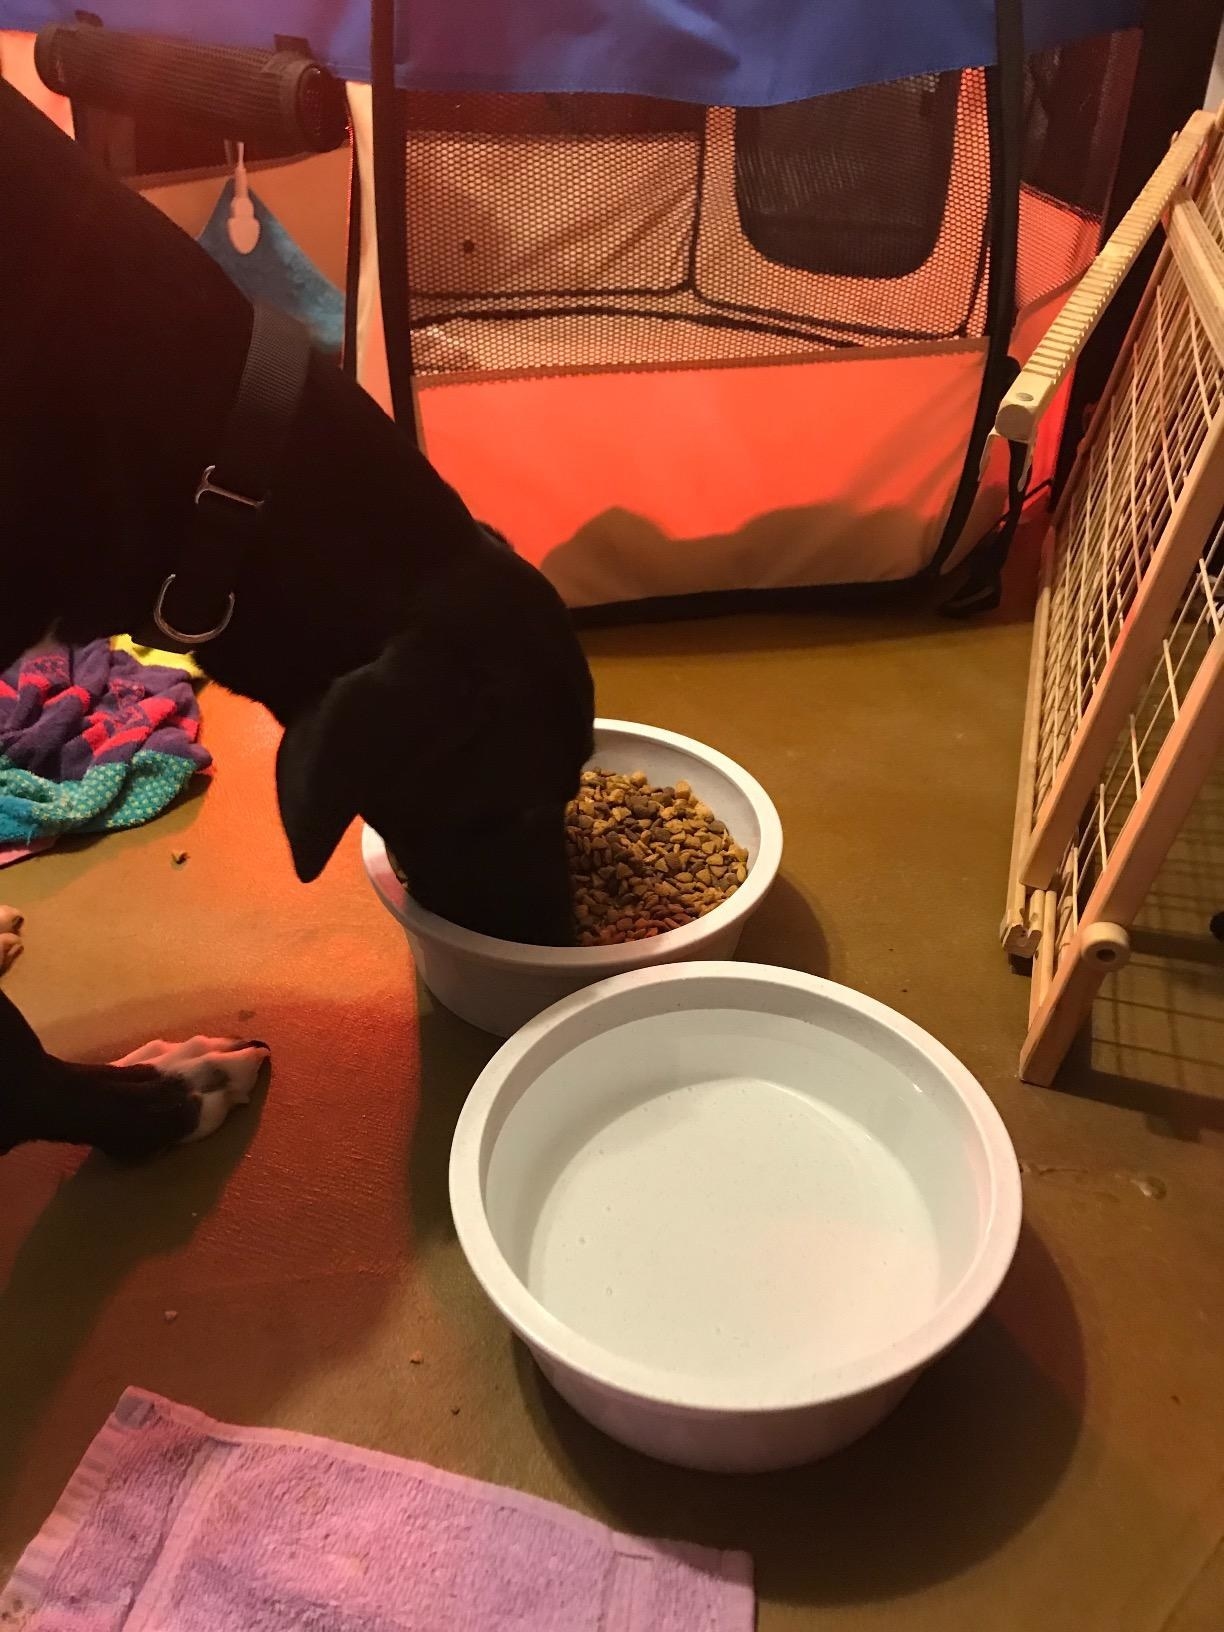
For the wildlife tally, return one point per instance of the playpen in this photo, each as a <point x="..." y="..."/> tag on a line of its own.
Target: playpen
<point x="692" y="301"/>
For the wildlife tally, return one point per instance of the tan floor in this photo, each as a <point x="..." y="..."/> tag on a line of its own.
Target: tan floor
<point x="1062" y="1468"/>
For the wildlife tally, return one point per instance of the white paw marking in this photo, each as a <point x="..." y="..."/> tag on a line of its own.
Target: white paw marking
<point x="219" y="1071"/>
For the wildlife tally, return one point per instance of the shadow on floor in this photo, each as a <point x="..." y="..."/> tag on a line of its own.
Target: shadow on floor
<point x="106" y="1219"/>
<point x="453" y="1054"/>
<point x="971" y="1455"/>
<point x="785" y="931"/>
<point x="101" y="1222"/>
<point x="1170" y="1111"/>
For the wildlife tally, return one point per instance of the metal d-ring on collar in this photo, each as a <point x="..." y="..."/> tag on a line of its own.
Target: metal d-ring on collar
<point x="205" y="487"/>
<point x="228" y="511"/>
<point x="180" y="636"/>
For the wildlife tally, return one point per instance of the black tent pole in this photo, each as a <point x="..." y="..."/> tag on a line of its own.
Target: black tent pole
<point x="390" y="165"/>
<point x="1005" y="114"/>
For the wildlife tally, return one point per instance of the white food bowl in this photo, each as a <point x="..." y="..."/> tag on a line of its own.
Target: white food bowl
<point x="732" y="1210"/>
<point x="497" y="985"/>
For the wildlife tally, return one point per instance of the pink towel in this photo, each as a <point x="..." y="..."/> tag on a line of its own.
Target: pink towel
<point x="176" y="1523"/>
<point x="10" y="853"/>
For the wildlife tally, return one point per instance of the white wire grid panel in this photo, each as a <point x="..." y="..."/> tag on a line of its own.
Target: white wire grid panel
<point x="1126" y="700"/>
<point x="1199" y="622"/>
<point x="1164" y="402"/>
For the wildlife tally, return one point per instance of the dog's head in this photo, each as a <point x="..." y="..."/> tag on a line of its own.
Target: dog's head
<point x="460" y="743"/>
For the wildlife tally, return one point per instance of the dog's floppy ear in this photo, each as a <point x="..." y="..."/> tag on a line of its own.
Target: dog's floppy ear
<point x="317" y="774"/>
<point x="460" y="743"/>
<point x="375" y="744"/>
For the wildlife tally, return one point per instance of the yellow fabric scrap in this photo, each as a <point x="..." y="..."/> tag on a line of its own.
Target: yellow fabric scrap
<point x="151" y="654"/>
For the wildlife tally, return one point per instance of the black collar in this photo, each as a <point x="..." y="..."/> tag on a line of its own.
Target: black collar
<point x="231" y="493"/>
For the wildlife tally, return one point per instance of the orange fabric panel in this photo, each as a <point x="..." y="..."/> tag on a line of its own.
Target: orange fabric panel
<point x="634" y="484"/>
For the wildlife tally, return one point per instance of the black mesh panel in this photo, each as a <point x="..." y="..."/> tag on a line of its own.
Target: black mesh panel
<point x="1076" y="98"/>
<point x="1076" y="101"/>
<point x="518" y="197"/>
<point x="853" y="185"/>
<point x="582" y="231"/>
<point x="577" y="232"/>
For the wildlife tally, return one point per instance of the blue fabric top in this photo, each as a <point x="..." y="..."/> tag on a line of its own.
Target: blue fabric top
<point x="742" y="53"/>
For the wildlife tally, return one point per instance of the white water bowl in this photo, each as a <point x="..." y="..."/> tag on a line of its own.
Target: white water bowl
<point x="732" y="1210"/>
<point x="498" y="985"/>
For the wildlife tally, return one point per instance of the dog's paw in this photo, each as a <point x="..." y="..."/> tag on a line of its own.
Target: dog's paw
<point x="218" y="1073"/>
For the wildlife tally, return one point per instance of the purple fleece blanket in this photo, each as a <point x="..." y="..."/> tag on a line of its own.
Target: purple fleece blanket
<point x="176" y="1523"/>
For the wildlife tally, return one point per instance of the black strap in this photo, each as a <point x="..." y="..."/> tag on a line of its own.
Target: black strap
<point x="352" y="268"/>
<point x="197" y="601"/>
<point x="981" y="588"/>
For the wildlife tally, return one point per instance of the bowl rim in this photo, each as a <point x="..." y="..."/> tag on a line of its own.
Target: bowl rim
<point x="569" y="1349"/>
<point x="554" y="960"/>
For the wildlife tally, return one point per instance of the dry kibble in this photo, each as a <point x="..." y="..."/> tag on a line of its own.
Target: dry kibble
<point x="645" y="860"/>
<point x="642" y="861"/>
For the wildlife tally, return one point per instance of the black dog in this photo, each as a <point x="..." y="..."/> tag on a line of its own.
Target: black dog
<point x="426" y="679"/>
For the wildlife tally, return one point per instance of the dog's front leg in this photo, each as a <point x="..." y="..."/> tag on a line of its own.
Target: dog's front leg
<point x="162" y="1095"/>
